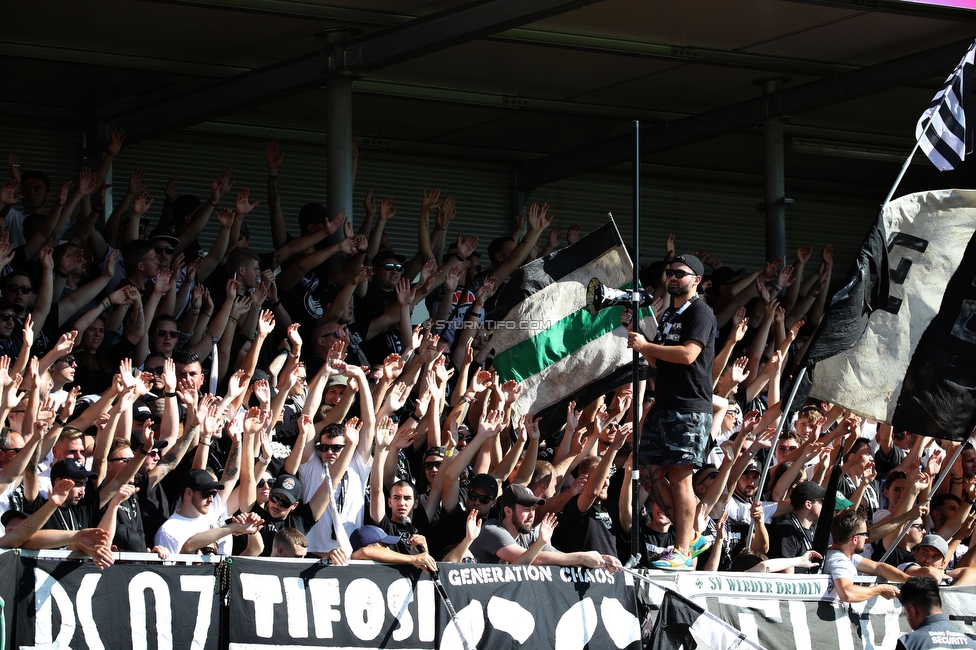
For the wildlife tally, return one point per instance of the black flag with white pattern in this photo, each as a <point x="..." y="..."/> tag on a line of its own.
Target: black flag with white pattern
<point x="945" y="130"/>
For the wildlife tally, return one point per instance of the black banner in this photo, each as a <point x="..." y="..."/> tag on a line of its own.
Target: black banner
<point x="9" y="570"/>
<point x="544" y="607"/>
<point x="312" y="605"/>
<point x="72" y="604"/>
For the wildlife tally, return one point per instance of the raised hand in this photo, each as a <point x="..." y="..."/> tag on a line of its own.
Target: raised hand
<point x="242" y="206"/>
<point x="221" y="185"/>
<point x="8" y="193"/>
<point x="141" y="205"/>
<point x="115" y="142"/>
<point x="273" y="157"/>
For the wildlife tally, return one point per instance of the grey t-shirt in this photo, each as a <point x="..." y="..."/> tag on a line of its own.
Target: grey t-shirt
<point x="494" y="536"/>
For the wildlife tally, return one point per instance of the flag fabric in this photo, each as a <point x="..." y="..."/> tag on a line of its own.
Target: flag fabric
<point x="681" y="624"/>
<point x="914" y="362"/>
<point x="543" y="335"/>
<point x="945" y="130"/>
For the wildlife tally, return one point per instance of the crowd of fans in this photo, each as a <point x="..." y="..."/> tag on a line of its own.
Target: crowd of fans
<point x="162" y="398"/>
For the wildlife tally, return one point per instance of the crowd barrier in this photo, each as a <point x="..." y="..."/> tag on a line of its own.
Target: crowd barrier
<point x="252" y="603"/>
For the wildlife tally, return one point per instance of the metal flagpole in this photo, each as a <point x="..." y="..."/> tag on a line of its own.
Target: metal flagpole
<point x="636" y="523"/>
<point x="772" y="448"/>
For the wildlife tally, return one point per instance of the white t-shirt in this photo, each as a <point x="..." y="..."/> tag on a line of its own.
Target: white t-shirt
<point x="837" y="565"/>
<point x="350" y="498"/>
<point x="177" y="529"/>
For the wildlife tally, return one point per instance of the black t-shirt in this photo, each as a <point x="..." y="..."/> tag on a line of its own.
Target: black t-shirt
<point x="592" y="530"/>
<point x="789" y="539"/>
<point x="679" y="387"/>
<point x="391" y="527"/>
<point x="301" y="519"/>
<point x="898" y="556"/>
<point x="130" y="535"/>
<point x="83" y="514"/>
<point x="303" y="302"/>
<point x="154" y="506"/>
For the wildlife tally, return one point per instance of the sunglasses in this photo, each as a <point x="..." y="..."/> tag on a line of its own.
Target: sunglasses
<point x="6" y="318"/>
<point x="432" y="465"/>
<point x="13" y="449"/>
<point x="280" y="500"/>
<point x="266" y="481"/>
<point x="158" y="370"/>
<point x="154" y="453"/>
<point x="68" y="360"/>
<point x="121" y="459"/>
<point x="918" y="526"/>
<point x="676" y="274"/>
<point x="394" y="267"/>
<point x="483" y="499"/>
<point x="170" y="334"/>
<point x="169" y="250"/>
<point x="16" y="288"/>
<point x="207" y="494"/>
<point x="335" y="449"/>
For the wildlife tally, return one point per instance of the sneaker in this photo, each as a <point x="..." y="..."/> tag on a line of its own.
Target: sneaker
<point x="699" y="546"/>
<point x="673" y="561"/>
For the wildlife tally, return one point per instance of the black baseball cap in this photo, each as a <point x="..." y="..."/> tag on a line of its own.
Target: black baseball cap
<point x="200" y="480"/>
<point x="691" y="262"/>
<point x="70" y="468"/>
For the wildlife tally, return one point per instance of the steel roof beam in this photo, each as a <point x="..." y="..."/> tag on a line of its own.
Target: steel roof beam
<point x="743" y="115"/>
<point x="393" y="45"/>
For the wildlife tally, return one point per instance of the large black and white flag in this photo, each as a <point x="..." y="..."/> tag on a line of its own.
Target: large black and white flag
<point x="914" y="364"/>
<point x="544" y="336"/>
<point x="945" y="130"/>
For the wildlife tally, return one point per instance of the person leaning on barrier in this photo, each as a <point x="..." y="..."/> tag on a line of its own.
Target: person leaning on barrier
<point x="922" y="605"/>
<point x="843" y="563"/>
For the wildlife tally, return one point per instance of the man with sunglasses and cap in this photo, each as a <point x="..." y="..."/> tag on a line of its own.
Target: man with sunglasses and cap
<point x="677" y="430"/>
<point x="200" y="511"/>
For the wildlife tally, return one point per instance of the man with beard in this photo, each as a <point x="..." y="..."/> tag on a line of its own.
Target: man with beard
<point x="677" y="429"/>
<point x="514" y="541"/>
<point x="843" y="563"/>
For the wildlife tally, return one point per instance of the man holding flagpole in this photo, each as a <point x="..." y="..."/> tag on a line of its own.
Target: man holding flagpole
<point x="676" y="430"/>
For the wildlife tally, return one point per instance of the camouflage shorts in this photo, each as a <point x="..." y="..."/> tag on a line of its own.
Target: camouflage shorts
<point x="674" y="438"/>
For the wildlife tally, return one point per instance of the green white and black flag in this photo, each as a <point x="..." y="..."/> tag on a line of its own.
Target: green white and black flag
<point x="545" y="338"/>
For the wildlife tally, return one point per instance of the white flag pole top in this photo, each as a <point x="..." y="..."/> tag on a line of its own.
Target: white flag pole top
<point x="943" y="136"/>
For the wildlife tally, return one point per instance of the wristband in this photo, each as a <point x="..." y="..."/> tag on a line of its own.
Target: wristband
<point x="467" y="400"/>
<point x="416" y="418"/>
<point x="60" y="422"/>
<point x="476" y="314"/>
<point x="459" y="258"/>
<point x="232" y="319"/>
<point x="205" y="443"/>
<point x="274" y="304"/>
<point x="264" y="461"/>
<point x="60" y="274"/>
<point x="142" y="451"/>
<point x="169" y="394"/>
<point x="972" y="503"/>
<point x="195" y="313"/>
<point x="449" y="453"/>
<point x="211" y="203"/>
<point x="206" y="314"/>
